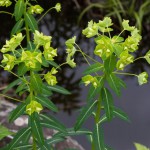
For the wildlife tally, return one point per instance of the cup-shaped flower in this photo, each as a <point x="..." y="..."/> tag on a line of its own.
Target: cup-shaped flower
<point x="5" y="3"/>
<point x="31" y="59"/>
<point x="50" y="79"/>
<point x="41" y="39"/>
<point x="58" y="7"/>
<point x="91" y="30"/>
<point x="104" y="25"/>
<point x="37" y="9"/>
<point x="142" y="78"/>
<point x="13" y="43"/>
<point x="147" y="56"/>
<point x="9" y="60"/>
<point x="90" y="79"/>
<point x="104" y="48"/>
<point x="49" y="52"/>
<point x="33" y="106"/>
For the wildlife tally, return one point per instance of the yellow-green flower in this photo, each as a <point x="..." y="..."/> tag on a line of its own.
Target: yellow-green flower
<point x="58" y="7"/>
<point x="13" y="43"/>
<point x="31" y="59"/>
<point x="35" y="9"/>
<point x="49" y="52"/>
<point x="41" y="39"/>
<point x="5" y="3"/>
<point x="142" y="78"/>
<point x="90" y="79"/>
<point x="9" y="61"/>
<point x="50" y="79"/>
<point x="33" y="106"/>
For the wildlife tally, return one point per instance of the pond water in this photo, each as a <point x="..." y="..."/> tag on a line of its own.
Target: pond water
<point x="134" y="101"/>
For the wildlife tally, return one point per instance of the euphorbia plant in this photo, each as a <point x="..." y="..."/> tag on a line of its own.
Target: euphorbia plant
<point x="33" y="80"/>
<point x="115" y="53"/>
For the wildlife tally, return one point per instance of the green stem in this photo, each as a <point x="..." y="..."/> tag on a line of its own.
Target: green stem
<point x="5" y="12"/>
<point x="139" y="58"/>
<point x="12" y="98"/>
<point x="45" y="13"/>
<point x="26" y="26"/>
<point x="125" y="73"/>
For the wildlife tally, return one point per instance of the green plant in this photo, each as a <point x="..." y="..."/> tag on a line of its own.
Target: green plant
<point x="140" y="147"/>
<point x="33" y="80"/>
<point x="30" y="61"/>
<point x="116" y="52"/>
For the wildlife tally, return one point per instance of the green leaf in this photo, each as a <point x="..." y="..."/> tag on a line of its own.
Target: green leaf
<point x="36" y="82"/>
<point x="85" y="113"/>
<point x="110" y="63"/>
<point x="93" y="92"/>
<point x="32" y="23"/>
<point x="54" y="140"/>
<point x="119" y="113"/>
<point x="98" y="138"/>
<point x="103" y="119"/>
<point x="72" y="132"/>
<point x="23" y="147"/>
<point x="50" y="122"/>
<point x="19" y="9"/>
<point x="4" y="132"/>
<point x="21" y="87"/>
<point x="31" y="46"/>
<point x="140" y="147"/>
<point x="37" y="128"/>
<point x="115" y="83"/>
<point x="22" y="69"/>
<point x="17" y="112"/>
<point x="108" y="103"/>
<point x="47" y="103"/>
<point x="46" y="146"/>
<point x="21" y="134"/>
<point x="17" y="27"/>
<point x="46" y="91"/>
<point x="118" y="49"/>
<point x="93" y="68"/>
<point x="59" y="89"/>
<point x="52" y="63"/>
<point x="12" y="84"/>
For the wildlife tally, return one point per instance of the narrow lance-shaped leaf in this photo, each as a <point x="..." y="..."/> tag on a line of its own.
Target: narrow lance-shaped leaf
<point x="36" y="128"/>
<point x="4" y="132"/>
<point x="19" y="137"/>
<point x="17" y="112"/>
<point x="93" y="68"/>
<point x="47" y="103"/>
<point x="46" y="91"/>
<point x="119" y="113"/>
<point x="31" y="22"/>
<point x="22" y="69"/>
<point x="72" y="132"/>
<point x="98" y="138"/>
<point x="85" y="113"/>
<point x="17" y="27"/>
<point x="12" y="84"/>
<point x="36" y="82"/>
<point x="110" y="63"/>
<point x="59" y="89"/>
<point x="114" y="83"/>
<point x="108" y="103"/>
<point x="51" y="122"/>
<point x="23" y="147"/>
<point x="19" y="9"/>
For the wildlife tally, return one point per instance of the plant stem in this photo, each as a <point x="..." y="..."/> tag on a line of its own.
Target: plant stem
<point x="12" y="98"/>
<point x="125" y="73"/>
<point x="5" y="12"/>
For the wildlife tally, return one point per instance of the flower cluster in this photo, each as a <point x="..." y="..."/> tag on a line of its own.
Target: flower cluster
<point x="90" y="79"/>
<point x="5" y="3"/>
<point x="58" y="7"/>
<point x="37" y="9"/>
<point x="50" y="78"/>
<point x="71" y="51"/>
<point x="33" y="106"/>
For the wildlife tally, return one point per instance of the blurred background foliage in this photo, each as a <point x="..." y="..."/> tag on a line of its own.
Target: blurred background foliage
<point x="74" y="17"/>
